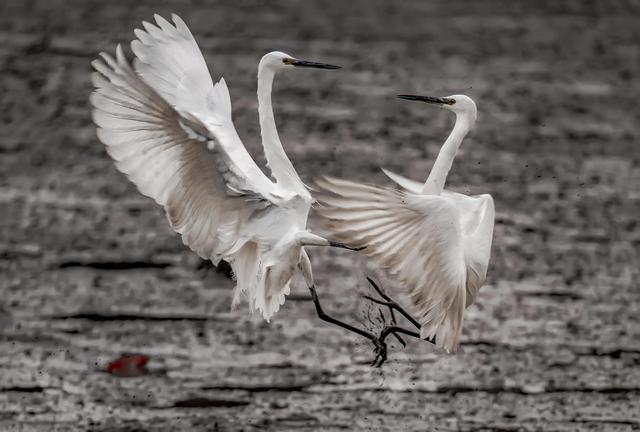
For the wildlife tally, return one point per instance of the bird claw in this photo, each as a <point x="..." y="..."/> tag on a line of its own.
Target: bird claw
<point x="381" y="353"/>
<point x="388" y="329"/>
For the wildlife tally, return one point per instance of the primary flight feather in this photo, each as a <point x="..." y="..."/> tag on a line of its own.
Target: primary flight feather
<point x="437" y="242"/>
<point x="168" y="127"/>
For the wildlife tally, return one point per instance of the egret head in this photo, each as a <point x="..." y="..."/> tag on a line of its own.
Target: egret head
<point x="278" y="60"/>
<point x="459" y="104"/>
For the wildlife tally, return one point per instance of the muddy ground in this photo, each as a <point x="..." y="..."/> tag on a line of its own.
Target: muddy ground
<point x="90" y="269"/>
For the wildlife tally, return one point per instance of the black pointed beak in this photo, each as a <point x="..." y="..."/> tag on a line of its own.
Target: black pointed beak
<point x="429" y="99"/>
<point x="310" y="64"/>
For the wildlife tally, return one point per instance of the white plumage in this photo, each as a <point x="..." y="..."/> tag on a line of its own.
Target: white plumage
<point x="437" y="242"/>
<point x="168" y="127"/>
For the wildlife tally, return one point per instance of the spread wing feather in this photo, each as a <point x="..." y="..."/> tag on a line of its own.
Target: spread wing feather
<point x="477" y="219"/>
<point x="418" y="237"/>
<point x="169" y="61"/>
<point x="206" y="195"/>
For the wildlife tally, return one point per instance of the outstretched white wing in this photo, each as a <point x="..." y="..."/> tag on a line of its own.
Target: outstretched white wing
<point x="206" y="194"/>
<point x="477" y="219"/>
<point x="169" y="60"/>
<point x="418" y="237"/>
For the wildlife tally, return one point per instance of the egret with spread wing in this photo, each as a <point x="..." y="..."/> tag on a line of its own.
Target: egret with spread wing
<point x="168" y="127"/>
<point x="438" y="242"/>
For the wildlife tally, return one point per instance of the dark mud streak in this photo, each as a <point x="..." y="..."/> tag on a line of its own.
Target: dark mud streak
<point x="16" y="254"/>
<point x="20" y="389"/>
<point x="265" y="388"/>
<point x="576" y="350"/>
<point x="454" y="390"/>
<point x="115" y="265"/>
<point x="296" y="419"/>
<point x="66" y="52"/>
<point x="47" y="47"/>
<point x="451" y="390"/>
<point x="615" y="353"/>
<point x="520" y="391"/>
<point x="201" y="402"/>
<point x="603" y="421"/>
<point x="553" y="294"/>
<point x="101" y="317"/>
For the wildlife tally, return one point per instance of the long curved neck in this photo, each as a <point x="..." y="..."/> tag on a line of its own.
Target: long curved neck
<point x="281" y="167"/>
<point x="438" y="175"/>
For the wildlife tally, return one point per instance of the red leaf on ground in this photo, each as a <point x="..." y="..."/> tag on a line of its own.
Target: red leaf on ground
<point x="128" y="366"/>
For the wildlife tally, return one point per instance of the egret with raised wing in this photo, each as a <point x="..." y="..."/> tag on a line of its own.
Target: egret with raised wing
<point x="168" y="127"/>
<point x="438" y="242"/>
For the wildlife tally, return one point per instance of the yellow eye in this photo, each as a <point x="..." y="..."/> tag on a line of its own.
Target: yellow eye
<point x="287" y="61"/>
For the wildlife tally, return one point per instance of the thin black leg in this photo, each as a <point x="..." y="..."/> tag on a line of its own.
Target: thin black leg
<point x="380" y="346"/>
<point x="344" y="246"/>
<point x="378" y="341"/>
<point x="323" y="316"/>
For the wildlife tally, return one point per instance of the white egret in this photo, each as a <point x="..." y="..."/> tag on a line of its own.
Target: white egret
<point x="169" y="129"/>
<point x="438" y="242"/>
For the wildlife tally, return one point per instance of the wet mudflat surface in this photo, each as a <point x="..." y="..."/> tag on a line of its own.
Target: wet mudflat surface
<point x="89" y="269"/>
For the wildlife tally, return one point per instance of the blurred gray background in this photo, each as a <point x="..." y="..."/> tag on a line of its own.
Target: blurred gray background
<point x="89" y="268"/>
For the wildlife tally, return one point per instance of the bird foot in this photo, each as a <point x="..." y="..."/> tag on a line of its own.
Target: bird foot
<point x="380" y="351"/>
<point x="389" y="325"/>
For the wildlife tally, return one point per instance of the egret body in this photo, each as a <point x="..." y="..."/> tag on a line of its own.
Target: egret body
<point x="438" y="242"/>
<point x="168" y="127"/>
